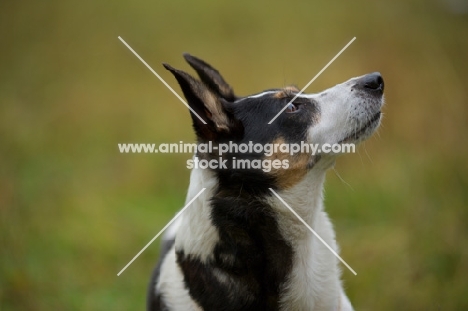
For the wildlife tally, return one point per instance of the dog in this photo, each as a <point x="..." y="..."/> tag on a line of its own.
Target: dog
<point x="237" y="246"/>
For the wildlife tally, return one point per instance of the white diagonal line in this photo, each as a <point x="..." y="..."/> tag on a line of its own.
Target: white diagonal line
<point x="313" y="231"/>
<point x="162" y="80"/>
<point x="157" y="235"/>
<point x="313" y="79"/>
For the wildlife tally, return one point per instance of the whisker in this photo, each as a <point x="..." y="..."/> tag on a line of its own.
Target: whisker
<point x="341" y="178"/>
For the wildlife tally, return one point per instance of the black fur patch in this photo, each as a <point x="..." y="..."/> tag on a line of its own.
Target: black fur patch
<point x="252" y="258"/>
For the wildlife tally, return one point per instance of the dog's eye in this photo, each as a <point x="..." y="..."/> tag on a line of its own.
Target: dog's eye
<point x="291" y="108"/>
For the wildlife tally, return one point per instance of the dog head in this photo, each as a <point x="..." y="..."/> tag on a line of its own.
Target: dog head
<point x="346" y="113"/>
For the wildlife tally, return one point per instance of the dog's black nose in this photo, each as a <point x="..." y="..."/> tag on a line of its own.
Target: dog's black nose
<point x="372" y="82"/>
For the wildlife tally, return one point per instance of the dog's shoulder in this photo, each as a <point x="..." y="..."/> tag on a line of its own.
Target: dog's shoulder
<point x="154" y="300"/>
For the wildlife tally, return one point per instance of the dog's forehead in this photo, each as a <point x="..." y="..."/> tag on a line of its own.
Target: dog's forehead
<point x="274" y="93"/>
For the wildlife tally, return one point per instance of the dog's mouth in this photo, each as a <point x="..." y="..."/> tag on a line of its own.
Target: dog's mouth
<point x="365" y="130"/>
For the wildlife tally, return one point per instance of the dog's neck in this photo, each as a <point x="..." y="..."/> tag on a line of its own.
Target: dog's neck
<point x="305" y="198"/>
<point x="312" y="263"/>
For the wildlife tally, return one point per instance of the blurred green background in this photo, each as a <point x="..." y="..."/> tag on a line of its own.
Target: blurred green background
<point x="74" y="211"/>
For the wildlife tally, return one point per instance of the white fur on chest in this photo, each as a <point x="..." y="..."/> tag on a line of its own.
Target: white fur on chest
<point x="314" y="282"/>
<point x="196" y="234"/>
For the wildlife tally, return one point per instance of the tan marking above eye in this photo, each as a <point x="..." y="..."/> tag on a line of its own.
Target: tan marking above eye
<point x="287" y="91"/>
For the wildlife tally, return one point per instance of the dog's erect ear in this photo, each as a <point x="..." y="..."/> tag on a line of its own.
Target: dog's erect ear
<point x="211" y="77"/>
<point x="214" y="110"/>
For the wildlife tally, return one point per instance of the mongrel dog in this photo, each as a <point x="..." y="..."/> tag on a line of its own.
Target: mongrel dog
<point x="237" y="247"/>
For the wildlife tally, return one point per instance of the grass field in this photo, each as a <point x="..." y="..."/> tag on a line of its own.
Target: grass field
<point x="73" y="211"/>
